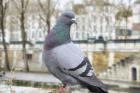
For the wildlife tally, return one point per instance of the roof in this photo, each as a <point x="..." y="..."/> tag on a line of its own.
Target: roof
<point x="102" y="41"/>
<point x="16" y="42"/>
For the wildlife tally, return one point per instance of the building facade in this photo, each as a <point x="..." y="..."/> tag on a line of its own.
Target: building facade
<point x="136" y="19"/>
<point x="127" y="69"/>
<point x="93" y="25"/>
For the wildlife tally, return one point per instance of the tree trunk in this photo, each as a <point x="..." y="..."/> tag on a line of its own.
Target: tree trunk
<point x="48" y="20"/>
<point x="24" y="38"/>
<point x="48" y="25"/>
<point x="117" y="28"/>
<point x="2" y="17"/>
<point x="126" y="20"/>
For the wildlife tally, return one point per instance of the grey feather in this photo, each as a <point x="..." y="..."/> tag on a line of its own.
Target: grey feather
<point x="52" y="65"/>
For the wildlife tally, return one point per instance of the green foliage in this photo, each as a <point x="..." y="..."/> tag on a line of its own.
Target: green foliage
<point x="79" y="9"/>
<point x="123" y="13"/>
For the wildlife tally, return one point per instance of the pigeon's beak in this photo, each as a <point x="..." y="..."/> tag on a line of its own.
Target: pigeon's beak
<point x="74" y="20"/>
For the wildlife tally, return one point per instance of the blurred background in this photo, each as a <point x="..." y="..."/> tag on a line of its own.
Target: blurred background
<point x="108" y="32"/>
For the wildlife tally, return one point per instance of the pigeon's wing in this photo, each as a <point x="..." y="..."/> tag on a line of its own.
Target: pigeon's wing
<point x="87" y="77"/>
<point x="73" y="62"/>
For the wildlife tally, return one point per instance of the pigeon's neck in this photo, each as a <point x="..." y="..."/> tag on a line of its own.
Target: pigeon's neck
<point x="58" y="36"/>
<point x="62" y="33"/>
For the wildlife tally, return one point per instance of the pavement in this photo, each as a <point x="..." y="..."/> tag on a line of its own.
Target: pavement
<point x="35" y="77"/>
<point x="18" y="89"/>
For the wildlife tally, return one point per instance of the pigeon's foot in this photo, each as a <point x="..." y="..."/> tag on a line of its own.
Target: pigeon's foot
<point x="63" y="89"/>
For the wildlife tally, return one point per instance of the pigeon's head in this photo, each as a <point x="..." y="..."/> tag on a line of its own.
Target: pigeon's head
<point x="67" y="17"/>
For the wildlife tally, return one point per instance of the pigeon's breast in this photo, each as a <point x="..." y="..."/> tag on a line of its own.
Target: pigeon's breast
<point x="68" y="55"/>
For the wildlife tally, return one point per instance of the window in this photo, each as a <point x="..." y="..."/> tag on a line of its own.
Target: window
<point x="15" y="36"/>
<point x="134" y="73"/>
<point x="77" y="35"/>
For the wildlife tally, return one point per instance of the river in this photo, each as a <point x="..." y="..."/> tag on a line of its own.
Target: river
<point x="17" y="89"/>
<point x="129" y="90"/>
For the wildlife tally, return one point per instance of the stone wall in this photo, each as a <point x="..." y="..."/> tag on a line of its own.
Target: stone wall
<point x="128" y="69"/>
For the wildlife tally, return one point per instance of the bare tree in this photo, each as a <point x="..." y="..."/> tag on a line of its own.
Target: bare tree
<point x="47" y="7"/>
<point x="22" y="7"/>
<point x="3" y="9"/>
<point x="124" y="12"/>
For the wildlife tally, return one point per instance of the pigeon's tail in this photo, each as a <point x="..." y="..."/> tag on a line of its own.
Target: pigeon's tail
<point x="94" y="89"/>
<point x="93" y="84"/>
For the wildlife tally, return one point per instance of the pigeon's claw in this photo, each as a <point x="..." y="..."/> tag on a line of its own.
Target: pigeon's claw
<point x="63" y="89"/>
<point x="64" y="85"/>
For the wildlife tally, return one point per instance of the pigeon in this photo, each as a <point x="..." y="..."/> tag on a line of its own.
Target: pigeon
<point x="65" y="60"/>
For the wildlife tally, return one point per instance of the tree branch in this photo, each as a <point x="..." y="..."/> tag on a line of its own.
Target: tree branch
<point x="16" y="5"/>
<point x="5" y="7"/>
<point x="42" y="8"/>
<point x="53" y="8"/>
<point x="6" y="4"/>
<point x="42" y="18"/>
<point x="26" y="5"/>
